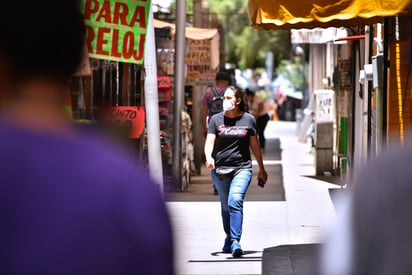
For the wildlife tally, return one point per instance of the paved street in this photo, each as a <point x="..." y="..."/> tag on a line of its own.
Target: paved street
<point x="301" y="216"/>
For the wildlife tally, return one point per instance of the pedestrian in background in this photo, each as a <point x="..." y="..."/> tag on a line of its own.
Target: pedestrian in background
<point x="230" y="135"/>
<point x="212" y="95"/>
<point x="213" y="102"/>
<point x="258" y="110"/>
<point x="71" y="202"/>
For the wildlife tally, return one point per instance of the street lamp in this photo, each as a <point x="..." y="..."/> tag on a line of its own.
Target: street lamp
<point x="305" y="97"/>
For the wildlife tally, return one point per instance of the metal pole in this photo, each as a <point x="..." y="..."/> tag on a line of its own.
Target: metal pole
<point x="179" y="93"/>
<point x="300" y="51"/>
<point x="197" y="95"/>
<point x="197" y="13"/>
<point x="103" y="81"/>
<point x="304" y="84"/>
<point x="152" y="106"/>
<point x="386" y="33"/>
<point x="118" y="84"/>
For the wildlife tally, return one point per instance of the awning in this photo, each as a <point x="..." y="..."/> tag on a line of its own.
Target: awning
<point x="203" y="49"/>
<point x="296" y="14"/>
<point x="191" y="33"/>
<point x="317" y="35"/>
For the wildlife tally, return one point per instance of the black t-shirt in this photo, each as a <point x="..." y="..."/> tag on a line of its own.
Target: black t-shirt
<point x="231" y="148"/>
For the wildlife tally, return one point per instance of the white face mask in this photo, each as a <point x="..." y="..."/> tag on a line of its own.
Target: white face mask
<point x="228" y="105"/>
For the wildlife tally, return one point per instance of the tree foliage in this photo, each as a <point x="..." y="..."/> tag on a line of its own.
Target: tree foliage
<point x="245" y="46"/>
<point x="293" y="72"/>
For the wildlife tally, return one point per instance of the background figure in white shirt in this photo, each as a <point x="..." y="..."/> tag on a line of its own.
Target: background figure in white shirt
<point x="257" y="108"/>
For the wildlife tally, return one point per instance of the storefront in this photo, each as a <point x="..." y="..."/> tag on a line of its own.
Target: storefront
<point x="372" y="113"/>
<point x="110" y="78"/>
<point x="108" y="91"/>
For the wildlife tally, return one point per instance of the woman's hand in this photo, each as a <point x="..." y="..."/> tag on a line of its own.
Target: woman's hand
<point x="263" y="175"/>
<point x="209" y="144"/>
<point x="254" y="145"/>
<point x="210" y="162"/>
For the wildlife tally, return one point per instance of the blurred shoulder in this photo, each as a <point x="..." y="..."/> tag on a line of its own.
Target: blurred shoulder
<point x="386" y="174"/>
<point x="248" y="116"/>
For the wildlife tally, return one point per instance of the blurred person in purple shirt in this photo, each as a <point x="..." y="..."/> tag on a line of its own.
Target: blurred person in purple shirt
<point x="70" y="202"/>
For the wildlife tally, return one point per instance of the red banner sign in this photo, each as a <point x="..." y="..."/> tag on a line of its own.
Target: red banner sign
<point x="131" y="117"/>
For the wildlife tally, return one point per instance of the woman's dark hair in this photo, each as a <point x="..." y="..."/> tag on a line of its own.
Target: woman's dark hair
<point x="249" y="91"/>
<point x="239" y="93"/>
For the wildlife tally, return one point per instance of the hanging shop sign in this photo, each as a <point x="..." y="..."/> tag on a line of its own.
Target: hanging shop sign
<point x="202" y="55"/>
<point x="199" y="52"/>
<point x="202" y="61"/>
<point x="325" y="105"/>
<point x="201" y="75"/>
<point x="116" y="30"/>
<point x="131" y="117"/>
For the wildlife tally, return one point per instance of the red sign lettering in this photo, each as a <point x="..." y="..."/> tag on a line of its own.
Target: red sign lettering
<point x="116" y="29"/>
<point x="131" y="117"/>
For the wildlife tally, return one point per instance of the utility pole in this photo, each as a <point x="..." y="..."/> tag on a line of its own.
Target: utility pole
<point x="197" y="13"/>
<point x="205" y="14"/>
<point x="152" y="106"/>
<point x="180" y="43"/>
<point x="197" y="94"/>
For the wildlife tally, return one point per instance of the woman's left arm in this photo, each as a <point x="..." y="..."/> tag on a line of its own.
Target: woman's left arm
<point x="254" y="145"/>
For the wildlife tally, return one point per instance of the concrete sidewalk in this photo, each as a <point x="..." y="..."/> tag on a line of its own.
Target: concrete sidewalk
<point x="301" y="219"/>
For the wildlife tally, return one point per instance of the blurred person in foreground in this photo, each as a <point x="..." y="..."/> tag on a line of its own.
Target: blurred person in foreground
<point x="372" y="233"/>
<point x="231" y="135"/>
<point x="70" y="203"/>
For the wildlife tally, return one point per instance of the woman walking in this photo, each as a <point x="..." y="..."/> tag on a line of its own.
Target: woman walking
<point x="230" y="134"/>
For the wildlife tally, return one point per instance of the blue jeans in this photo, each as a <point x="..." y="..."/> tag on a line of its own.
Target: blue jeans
<point x="232" y="194"/>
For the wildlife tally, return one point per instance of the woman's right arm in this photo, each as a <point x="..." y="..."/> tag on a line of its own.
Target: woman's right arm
<point x="205" y="110"/>
<point x="209" y="144"/>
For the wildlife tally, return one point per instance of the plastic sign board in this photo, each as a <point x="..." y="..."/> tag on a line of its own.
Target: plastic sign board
<point x="116" y="30"/>
<point x="325" y="105"/>
<point x="131" y="117"/>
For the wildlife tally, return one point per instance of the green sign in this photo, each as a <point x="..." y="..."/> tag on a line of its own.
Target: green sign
<point x="116" y="30"/>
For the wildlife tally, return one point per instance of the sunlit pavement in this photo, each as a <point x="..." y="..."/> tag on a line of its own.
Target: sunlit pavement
<point x="302" y="218"/>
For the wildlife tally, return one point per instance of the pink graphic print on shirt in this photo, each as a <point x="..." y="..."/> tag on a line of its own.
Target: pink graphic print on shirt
<point x="239" y="131"/>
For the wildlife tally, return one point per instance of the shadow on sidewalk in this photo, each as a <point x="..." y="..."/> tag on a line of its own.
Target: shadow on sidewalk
<point x="330" y="179"/>
<point x="290" y="259"/>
